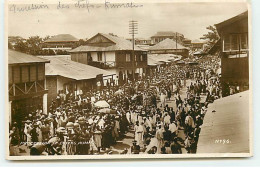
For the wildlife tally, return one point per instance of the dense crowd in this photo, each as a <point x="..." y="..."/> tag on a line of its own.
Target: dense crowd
<point x="93" y="121"/>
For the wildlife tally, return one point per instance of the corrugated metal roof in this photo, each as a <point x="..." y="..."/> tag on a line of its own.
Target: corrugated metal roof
<point x="226" y="119"/>
<point x="62" y="66"/>
<point x="120" y="44"/>
<point x="167" y="44"/>
<point x="156" y="59"/>
<point x="166" y="34"/>
<point x="232" y="20"/>
<point x="15" y="57"/>
<point x="62" y="38"/>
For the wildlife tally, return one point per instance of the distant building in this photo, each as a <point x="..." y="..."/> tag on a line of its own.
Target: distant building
<point x="141" y="41"/>
<point x="114" y="54"/>
<point x="162" y="35"/>
<point x="64" y="75"/>
<point x="60" y="42"/>
<point x="168" y="46"/>
<point x="197" y="45"/>
<point x="26" y="85"/>
<point x="234" y="52"/>
<point x="186" y="42"/>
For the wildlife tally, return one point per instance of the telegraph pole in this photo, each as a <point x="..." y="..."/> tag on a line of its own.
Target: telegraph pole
<point x="133" y="28"/>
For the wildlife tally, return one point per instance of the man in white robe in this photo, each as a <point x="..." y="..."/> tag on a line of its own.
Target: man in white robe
<point x="139" y="131"/>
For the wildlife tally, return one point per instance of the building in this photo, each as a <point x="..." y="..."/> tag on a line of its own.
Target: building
<point x="114" y="54"/>
<point x="26" y="85"/>
<point x="186" y="42"/>
<point x="234" y="53"/>
<point x="141" y="41"/>
<point x="64" y="75"/>
<point x="197" y="45"/>
<point x="162" y="35"/>
<point x="60" y="42"/>
<point x="169" y="46"/>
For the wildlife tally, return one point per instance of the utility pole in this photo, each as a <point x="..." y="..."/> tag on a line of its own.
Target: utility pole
<point x="133" y="28"/>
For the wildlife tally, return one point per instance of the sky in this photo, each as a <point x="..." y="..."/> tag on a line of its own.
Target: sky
<point x="190" y="19"/>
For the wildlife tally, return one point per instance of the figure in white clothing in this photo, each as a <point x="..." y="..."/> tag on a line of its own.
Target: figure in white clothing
<point x="139" y="131"/>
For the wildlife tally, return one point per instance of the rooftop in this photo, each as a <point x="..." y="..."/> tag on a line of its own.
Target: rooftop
<point x="166" y="34"/>
<point x="156" y="59"/>
<point x="227" y="118"/>
<point x="167" y="44"/>
<point x="15" y="57"/>
<point x="63" y="66"/>
<point x="241" y="16"/>
<point x="62" y="38"/>
<point x="119" y="44"/>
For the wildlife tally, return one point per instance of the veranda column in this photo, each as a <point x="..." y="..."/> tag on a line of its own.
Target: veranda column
<point x="10" y="112"/>
<point x="44" y="103"/>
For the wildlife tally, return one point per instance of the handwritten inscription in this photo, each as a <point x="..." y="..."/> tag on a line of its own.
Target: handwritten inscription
<point x="80" y="4"/>
<point x="222" y="141"/>
<point x="25" y="8"/>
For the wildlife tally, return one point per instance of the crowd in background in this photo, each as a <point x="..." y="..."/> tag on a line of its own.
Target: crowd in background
<point x="92" y="122"/>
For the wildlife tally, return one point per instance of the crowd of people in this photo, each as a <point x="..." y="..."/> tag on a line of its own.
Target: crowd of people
<point x="153" y="108"/>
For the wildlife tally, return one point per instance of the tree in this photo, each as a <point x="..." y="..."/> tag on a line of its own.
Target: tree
<point x="46" y="38"/>
<point x="79" y="43"/>
<point x="34" y="44"/>
<point x="211" y="37"/>
<point x="21" y="46"/>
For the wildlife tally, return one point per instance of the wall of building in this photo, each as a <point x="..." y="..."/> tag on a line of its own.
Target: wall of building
<point x="109" y="56"/>
<point x="51" y="85"/>
<point x="80" y="57"/>
<point x="61" y="81"/>
<point x="235" y="70"/>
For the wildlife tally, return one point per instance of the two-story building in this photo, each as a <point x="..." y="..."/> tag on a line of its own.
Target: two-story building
<point x="60" y="42"/>
<point x="169" y="46"/>
<point x="141" y="41"/>
<point x="162" y="35"/>
<point x="186" y="42"/>
<point x="113" y="53"/>
<point x="234" y="53"/>
<point x="197" y="45"/>
<point x="26" y="85"/>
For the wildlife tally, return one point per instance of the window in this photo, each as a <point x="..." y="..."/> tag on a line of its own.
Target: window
<point x="128" y="58"/>
<point x="89" y="57"/>
<point x="99" y="56"/>
<point x="141" y="58"/>
<point x="235" y="42"/>
<point x="243" y="41"/>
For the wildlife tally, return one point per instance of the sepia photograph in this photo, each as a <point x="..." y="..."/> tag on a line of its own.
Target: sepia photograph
<point x="107" y="79"/>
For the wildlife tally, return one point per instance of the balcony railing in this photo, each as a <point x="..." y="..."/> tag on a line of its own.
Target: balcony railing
<point x="112" y="64"/>
<point x="103" y="65"/>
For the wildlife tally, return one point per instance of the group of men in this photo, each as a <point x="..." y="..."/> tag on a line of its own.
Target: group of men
<point x="76" y="125"/>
